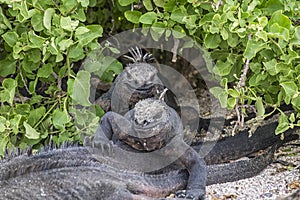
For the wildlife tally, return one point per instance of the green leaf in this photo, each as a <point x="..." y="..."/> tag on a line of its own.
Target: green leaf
<point x="37" y="22"/>
<point x="283" y="67"/>
<point x="113" y="69"/>
<point x="15" y="122"/>
<point x="126" y="2"/>
<point x="148" y="18"/>
<point x="262" y="35"/>
<point x="283" y="124"/>
<point x="292" y="118"/>
<point x="4" y="19"/>
<point x="81" y="88"/>
<point x="159" y="3"/>
<point x="84" y="3"/>
<point x="148" y="4"/>
<point x="8" y="94"/>
<point x="271" y="67"/>
<point x="60" y="118"/>
<point x="280" y="19"/>
<point x="2" y="124"/>
<point x="30" y="132"/>
<point x="35" y="115"/>
<point x="279" y="32"/>
<point x="296" y="102"/>
<point x="212" y="40"/>
<point x="157" y="29"/>
<point x="68" y="24"/>
<point x="290" y="88"/>
<point x="88" y="34"/>
<point x="296" y="38"/>
<point x="10" y="38"/>
<point x="234" y="93"/>
<point x="222" y="68"/>
<point x="220" y="94"/>
<point x="263" y="21"/>
<point x="231" y="102"/>
<point x="288" y="58"/>
<point x="76" y="52"/>
<point x="35" y="40"/>
<point x="178" y="15"/>
<point x="48" y="18"/>
<point x="45" y="71"/>
<point x="178" y="32"/>
<point x="3" y="143"/>
<point x="233" y="39"/>
<point x="22" y="109"/>
<point x="133" y="16"/>
<point x="224" y="34"/>
<point x="272" y="6"/>
<point x="68" y="6"/>
<point x="190" y="21"/>
<point x="65" y="44"/>
<point x="7" y="67"/>
<point x="70" y="84"/>
<point x="81" y="30"/>
<point x="80" y="14"/>
<point x="253" y="47"/>
<point x="105" y="68"/>
<point x="259" y="107"/>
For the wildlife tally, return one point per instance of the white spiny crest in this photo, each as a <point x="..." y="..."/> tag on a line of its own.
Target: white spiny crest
<point x="137" y="55"/>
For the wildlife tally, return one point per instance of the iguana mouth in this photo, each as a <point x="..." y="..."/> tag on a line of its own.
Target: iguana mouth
<point x="151" y="143"/>
<point x="146" y="87"/>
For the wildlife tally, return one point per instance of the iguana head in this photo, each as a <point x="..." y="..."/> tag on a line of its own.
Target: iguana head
<point x="152" y="125"/>
<point x="141" y="77"/>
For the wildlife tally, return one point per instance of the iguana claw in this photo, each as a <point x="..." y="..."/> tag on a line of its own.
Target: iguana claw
<point x="194" y="194"/>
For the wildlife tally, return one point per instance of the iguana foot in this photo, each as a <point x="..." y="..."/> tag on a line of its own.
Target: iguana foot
<point x="195" y="194"/>
<point x="105" y="147"/>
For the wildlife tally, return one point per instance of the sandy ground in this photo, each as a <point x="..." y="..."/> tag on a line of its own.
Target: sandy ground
<point x="277" y="180"/>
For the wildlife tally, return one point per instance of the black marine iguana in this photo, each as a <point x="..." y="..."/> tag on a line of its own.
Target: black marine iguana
<point x="86" y="173"/>
<point x="139" y="80"/>
<point x="153" y="126"/>
<point x="77" y="173"/>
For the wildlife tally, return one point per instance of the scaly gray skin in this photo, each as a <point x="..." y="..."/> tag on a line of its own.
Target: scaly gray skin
<point x="151" y="126"/>
<point x="86" y="173"/>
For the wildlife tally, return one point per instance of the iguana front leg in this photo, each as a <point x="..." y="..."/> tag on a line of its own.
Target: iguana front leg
<point x="197" y="175"/>
<point x="111" y="126"/>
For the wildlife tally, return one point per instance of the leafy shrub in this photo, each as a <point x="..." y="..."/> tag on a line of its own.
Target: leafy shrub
<point x="42" y="44"/>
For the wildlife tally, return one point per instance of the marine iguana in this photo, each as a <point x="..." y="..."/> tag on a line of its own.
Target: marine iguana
<point x="139" y="80"/>
<point x="76" y="173"/>
<point x="153" y="126"/>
